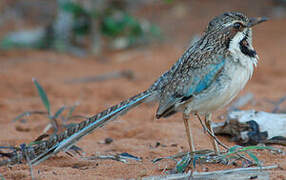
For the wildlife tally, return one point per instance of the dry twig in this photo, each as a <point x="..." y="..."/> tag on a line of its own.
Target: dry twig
<point x="237" y="173"/>
<point x="103" y="77"/>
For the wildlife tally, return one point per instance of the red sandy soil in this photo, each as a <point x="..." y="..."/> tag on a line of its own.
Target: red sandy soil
<point x="138" y="131"/>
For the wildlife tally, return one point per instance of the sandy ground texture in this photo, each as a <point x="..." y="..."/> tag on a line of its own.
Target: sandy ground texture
<point x="138" y="131"/>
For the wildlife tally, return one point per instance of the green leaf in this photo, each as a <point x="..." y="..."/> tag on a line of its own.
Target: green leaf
<point x="73" y="8"/>
<point x="59" y="112"/>
<point x="34" y="143"/>
<point x="183" y="163"/>
<point x="250" y="154"/>
<point x="20" y="116"/>
<point x="255" y="148"/>
<point x="124" y="24"/>
<point x="228" y="153"/>
<point x="236" y="150"/>
<point x="71" y="110"/>
<point x="196" y="157"/>
<point x="43" y="95"/>
<point x="112" y="27"/>
<point x="168" y="1"/>
<point x="233" y="148"/>
<point x="6" y="43"/>
<point x="155" y="30"/>
<point x="2" y="177"/>
<point x="232" y="157"/>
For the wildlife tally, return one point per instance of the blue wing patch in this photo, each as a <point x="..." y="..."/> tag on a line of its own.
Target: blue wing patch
<point x="201" y="83"/>
<point x="198" y="83"/>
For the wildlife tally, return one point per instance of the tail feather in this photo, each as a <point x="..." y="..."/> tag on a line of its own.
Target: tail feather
<point x="63" y="141"/>
<point x="73" y="134"/>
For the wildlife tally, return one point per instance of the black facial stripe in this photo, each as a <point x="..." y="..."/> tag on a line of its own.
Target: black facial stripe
<point x="245" y="50"/>
<point x="228" y="43"/>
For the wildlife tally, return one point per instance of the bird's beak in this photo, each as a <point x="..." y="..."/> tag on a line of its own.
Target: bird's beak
<point x="254" y="21"/>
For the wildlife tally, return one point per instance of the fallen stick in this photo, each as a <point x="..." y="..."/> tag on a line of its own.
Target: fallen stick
<point x="103" y="77"/>
<point x="237" y="173"/>
<point x="123" y="157"/>
<point x="237" y="170"/>
<point x="251" y="127"/>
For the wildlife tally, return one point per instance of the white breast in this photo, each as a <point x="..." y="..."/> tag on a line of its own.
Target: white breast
<point x="239" y="76"/>
<point x="233" y="80"/>
<point x="242" y="67"/>
<point x="237" y="71"/>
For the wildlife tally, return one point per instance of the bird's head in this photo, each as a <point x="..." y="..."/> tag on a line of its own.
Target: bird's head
<point x="233" y="30"/>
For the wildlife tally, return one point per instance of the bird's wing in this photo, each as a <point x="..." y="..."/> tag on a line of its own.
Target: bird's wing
<point x="188" y="81"/>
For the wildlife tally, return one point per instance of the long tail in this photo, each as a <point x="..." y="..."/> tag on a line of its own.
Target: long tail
<point x="63" y="141"/>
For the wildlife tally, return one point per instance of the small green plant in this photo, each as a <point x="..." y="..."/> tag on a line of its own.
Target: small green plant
<point x="81" y="16"/>
<point x="168" y="1"/>
<point x="234" y="151"/>
<point x="233" y="154"/>
<point x="2" y="178"/>
<point x="183" y="163"/>
<point x="191" y="159"/>
<point x="119" y="28"/>
<point x="122" y="27"/>
<point x="52" y="117"/>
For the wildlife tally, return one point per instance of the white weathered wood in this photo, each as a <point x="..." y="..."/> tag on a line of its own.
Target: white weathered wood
<point x="273" y="123"/>
<point x="236" y="125"/>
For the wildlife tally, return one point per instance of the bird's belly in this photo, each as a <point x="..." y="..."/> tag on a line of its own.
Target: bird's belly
<point x="222" y="91"/>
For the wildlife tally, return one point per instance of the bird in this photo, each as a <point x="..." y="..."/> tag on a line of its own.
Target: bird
<point x="212" y="72"/>
<point x="207" y="77"/>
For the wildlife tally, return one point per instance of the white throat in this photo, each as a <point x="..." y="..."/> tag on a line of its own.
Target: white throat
<point x="245" y="61"/>
<point x="234" y="48"/>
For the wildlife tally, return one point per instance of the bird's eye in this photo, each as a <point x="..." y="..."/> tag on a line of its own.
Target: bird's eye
<point x="238" y="26"/>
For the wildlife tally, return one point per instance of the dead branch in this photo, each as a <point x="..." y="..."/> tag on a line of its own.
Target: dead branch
<point x="237" y="173"/>
<point x="123" y="157"/>
<point x="103" y="77"/>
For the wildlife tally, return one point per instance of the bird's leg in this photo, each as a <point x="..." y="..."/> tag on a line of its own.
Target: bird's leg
<point x="208" y="123"/>
<point x="186" y="117"/>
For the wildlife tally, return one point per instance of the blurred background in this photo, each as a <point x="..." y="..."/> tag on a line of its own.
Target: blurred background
<point x="95" y="53"/>
<point x="95" y="26"/>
